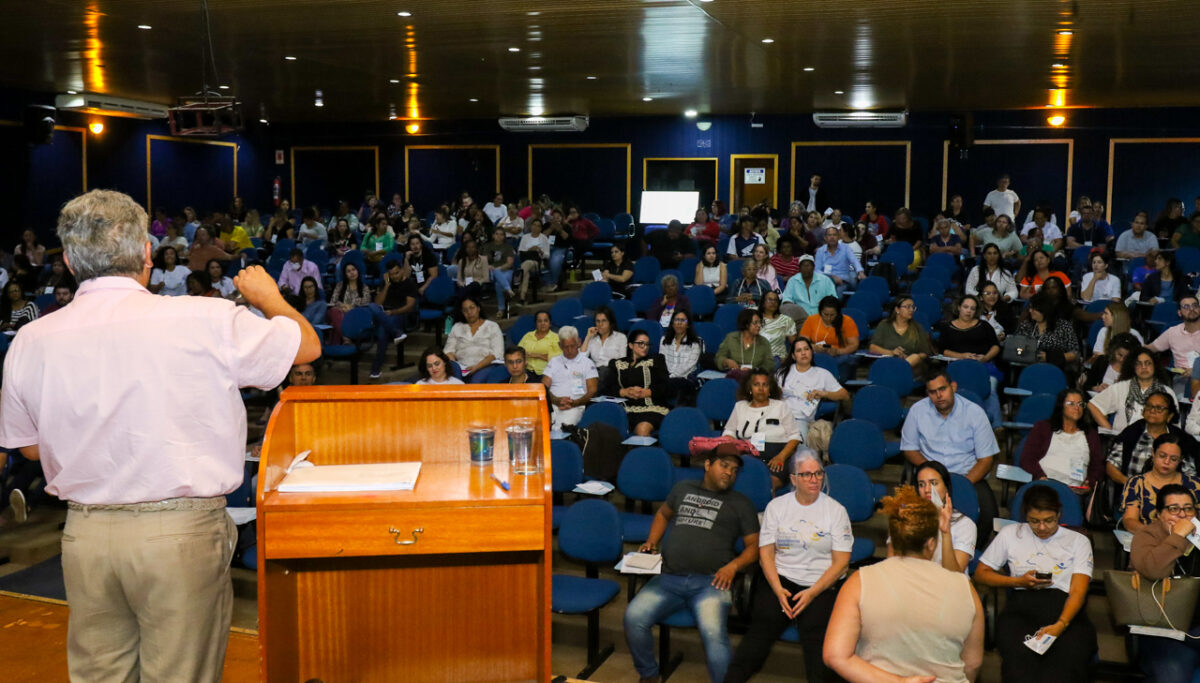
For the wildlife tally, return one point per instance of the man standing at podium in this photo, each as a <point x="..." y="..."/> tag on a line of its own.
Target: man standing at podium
<point x="102" y="392"/>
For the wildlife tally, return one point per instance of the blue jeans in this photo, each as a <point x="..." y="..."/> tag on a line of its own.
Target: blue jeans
<point x="387" y="328"/>
<point x="1164" y="660"/>
<point x="503" y="280"/>
<point x="557" y="256"/>
<point x="667" y="594"/>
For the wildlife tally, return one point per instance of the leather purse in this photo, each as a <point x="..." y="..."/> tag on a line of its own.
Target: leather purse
<point x="1019" y="348"/>
<point x="1137" y="601"/>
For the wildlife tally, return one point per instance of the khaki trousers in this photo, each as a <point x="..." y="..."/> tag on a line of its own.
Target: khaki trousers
<point x="150" y="594"/>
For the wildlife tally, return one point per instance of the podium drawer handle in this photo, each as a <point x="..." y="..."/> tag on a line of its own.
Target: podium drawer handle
<point x="415" y="536"/>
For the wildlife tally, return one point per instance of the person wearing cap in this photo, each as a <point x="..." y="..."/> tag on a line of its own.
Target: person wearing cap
<point x="669" y="246"/>
<point x="699" y="563"/>
<point x="804" y="291"/>
<point x="95" y="393"/>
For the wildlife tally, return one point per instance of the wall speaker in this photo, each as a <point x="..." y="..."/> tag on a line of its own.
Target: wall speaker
<point x="962" y="130"/>
<point x="39" y="124"/>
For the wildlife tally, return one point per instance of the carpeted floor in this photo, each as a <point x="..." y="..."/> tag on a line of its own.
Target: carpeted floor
<point x="44" y="580"/>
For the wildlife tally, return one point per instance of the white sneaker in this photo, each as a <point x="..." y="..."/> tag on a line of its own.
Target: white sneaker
<point x="376" y="375"/>
<point x="16" y="500"/>
<point x="400" y="338"/>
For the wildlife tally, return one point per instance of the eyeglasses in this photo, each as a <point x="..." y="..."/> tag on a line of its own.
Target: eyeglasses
<point x="1177" y="509"/>
<point x="1154" y="409"/>
<point x="639" y="343"/>
<point x="908" y="306"/>
<point x="1173" y="459"/>
<point x="809" y="476"/>
<point x="1073" y="404"/>
<point x="1189" y="306"/>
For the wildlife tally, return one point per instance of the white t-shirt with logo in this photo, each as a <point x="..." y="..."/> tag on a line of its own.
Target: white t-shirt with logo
<point x="1064" y="554"/>
<point x="797" y="385"/>
<point x="805" y="536"/>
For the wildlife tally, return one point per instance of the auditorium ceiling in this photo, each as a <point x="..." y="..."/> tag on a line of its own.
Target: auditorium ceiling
<point x="484" y="58"/>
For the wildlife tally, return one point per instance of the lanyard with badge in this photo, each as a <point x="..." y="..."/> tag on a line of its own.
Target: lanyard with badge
<point x="757" y="438"/>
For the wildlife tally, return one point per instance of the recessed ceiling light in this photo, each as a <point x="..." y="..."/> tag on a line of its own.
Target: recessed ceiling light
<point x="768" y="41"/>
<point x="393" y="80"/>
<point x="647" y="99"/>
<point x="290" y="58"/>
<point x="533" y="14"/>
<point x="514" y="49"/>
<point x="1065" y="32"/>
<point x="223" y="87"/>
<point x="839" y="92"/>
<point x="72" y="92"/>
<point x="809" y="68"/>
<point x="145" y="27"/>
<point x="1058" y="65"/>
<point x="473" y="99"/>
<point x="535" y="68"/>
<point x="404" y="14"/>
<point x="1056" y="120"/>
<point x="591" y="78"/>
<point x="318" y="103"/>
<point x="692" y="113"/>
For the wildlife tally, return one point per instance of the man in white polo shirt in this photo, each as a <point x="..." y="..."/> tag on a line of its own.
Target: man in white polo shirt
<point x="571" y="379"/>
<point x="104" y="392"/>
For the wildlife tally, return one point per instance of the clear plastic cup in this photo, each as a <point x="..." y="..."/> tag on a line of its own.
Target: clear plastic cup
<point x="520" y="447"/>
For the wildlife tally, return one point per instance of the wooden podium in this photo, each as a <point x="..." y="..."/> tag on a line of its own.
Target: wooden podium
<point x="447" y="582"/>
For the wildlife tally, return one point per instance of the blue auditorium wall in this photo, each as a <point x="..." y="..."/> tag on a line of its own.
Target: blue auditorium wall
<point x="38" y="180"/>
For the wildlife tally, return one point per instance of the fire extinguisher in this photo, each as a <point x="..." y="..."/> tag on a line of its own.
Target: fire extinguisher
<point x="276" y="189"/>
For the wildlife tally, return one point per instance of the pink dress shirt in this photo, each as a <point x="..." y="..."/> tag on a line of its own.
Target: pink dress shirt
<point x="293" y="276"/>
<point x="134" y="398"/>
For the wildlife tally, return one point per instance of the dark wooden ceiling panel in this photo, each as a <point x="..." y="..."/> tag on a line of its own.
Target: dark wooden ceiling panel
<point x="882" y="54"/>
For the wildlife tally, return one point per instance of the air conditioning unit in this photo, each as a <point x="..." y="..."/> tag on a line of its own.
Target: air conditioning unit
<point x="96" y="103"/>
<point x="861" y="119"/>
<point x="529" y="124"/>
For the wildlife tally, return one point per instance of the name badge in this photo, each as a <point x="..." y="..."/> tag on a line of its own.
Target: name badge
<point x="828" y="269"/>
<point x="667" y="314"/>
<point x="759" y="441"/>
<point x="469" y="281"/>
<point x="419" y="275"/>
<point x="1088" y="243"/>
<point x="578" y="387"/>
<point x="552" y="240"/>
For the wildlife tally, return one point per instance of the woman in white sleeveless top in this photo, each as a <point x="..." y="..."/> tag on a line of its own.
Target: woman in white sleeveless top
<point x="907" y="616"/>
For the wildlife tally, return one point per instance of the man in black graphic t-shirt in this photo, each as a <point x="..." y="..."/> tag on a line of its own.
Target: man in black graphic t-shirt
<point x="699" y="562"/>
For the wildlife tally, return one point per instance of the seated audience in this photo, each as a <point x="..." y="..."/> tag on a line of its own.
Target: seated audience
<point x="232" y="237"/>
<point x="1090" y="232"/>
<point x="766" y="272"/>
<point x="956" y="433"/>
<point x="1053" y="336"/>
<point x="784" y="261"/>
<point x="957" y="533"/>
<point x="1105" y="369"/>
<point x="749" y="288"/>
<point x="742" y="243"/>
<point x="51" y="278"/>
<point x="876" y="222"/>
<point x="200" y="284"/>
<point x="394" y="301"/>
<point x="745" y="347"/>
<point x="804" y="386"/>
<point x="699" y="563"/>
<point x="711" y="271"/>
<point x="995" y="311"/>
<point x="1140" y="377"/>
<point x="168" y="277"/>
<point x="805" y="290"/>
<point x="1039" y="554"/>
<point x="310" y="302"/>
<point x="617" y="271"/>
<point x="1137" y="241"/>
<point x="900" y="336"/>
<point x="534" y="251"/>
<point x="501" y="260"/>
<point x="836" y="260"/>
<point x="966" y="336"/>
<point x="669" y="246"/>
<point x="1166" y="283"/>
<point x="1115" y="322"/>
<point x="1139" y="499"/>
<point x="348" y="294"/>
<point x="1161" y="550"/>
<point x="1034" y="273"/>
<point x="640" y="377"/>
<point x="1132" y="449"/>
<point x="294" y="271"/>
<point x="434" y="368"/>
<point x="1066" y="447"/>
<point x="1182" y="341"/>
<point x="763" y="418"/>
<point x="474" y="342"/>
<point x="571" y="380"/>
<point x="471" y="269"/>
<point x="603" y="342"/>
<point x="63" y="295"/>
<point x="518" y="373"/>
<point x="31" y="248"/>
<point x="16" y="311"/>
<point x="1098" y="284"/>
<point x="220" y="281"/>
<point x="671" y="301"/>
<point x="778" y="329"/>
<point x="421" y="261"/>
<point x="804" y="550"/>
<point x="379" y="241"/>
<point x="311" y="230"/>
<point x="991" y="269"/>
<point x="704" y="228"/>
<point x="943" y="240"/>
<point x="998" y="230"/>
<point x="907" y="619"/>
<point x="681" y="347"/>
<point x="205" y="249"/>
<point x="540" y="343"/>
<point x="833" y="333"/>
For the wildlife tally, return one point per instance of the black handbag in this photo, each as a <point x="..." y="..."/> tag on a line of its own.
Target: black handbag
<point x="1019" y="348"/>
<point x="1101" y="511"/>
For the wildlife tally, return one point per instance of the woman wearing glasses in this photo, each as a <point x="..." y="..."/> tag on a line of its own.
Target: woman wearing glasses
<point x="762" y="417"/>
<point x="1140" y="376"/>
<point x="1039" y="554"/>
<point x="1131" y="451"/>
<point x="901" y="336"/>
<point x="1066" y="447"/>
<point x="642" y="380"/>
<point x="804" y="548"/>
<point x="1160" y="550"/>
<point x="1140" y="497"/>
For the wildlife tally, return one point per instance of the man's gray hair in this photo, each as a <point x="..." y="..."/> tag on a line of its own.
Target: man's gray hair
<point x="103" y="233"/>
<point x="567" y="332"/>
<point x="663" y="281"/>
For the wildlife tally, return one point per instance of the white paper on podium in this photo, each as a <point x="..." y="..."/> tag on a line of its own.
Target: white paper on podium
<point x="383" y="476"/>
